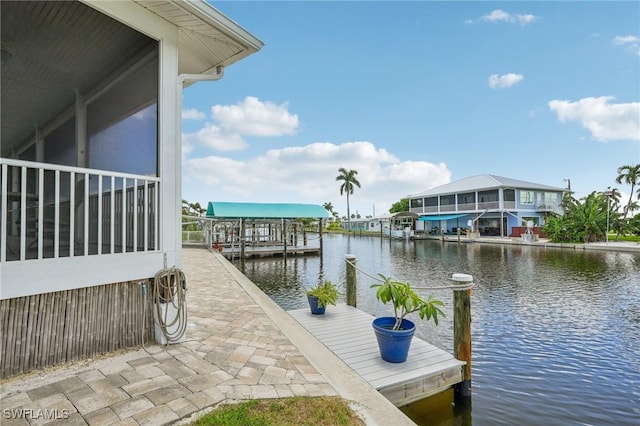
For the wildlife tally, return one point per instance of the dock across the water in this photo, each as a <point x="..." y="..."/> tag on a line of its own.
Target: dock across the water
<point x="348" y="333"/>
<point x="269" y="251"/>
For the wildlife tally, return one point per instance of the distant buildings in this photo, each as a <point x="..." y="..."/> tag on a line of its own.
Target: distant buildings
<point x="488" y="204"/>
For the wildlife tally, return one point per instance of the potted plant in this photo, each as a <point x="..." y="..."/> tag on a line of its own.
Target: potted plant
<point x="394" y="333"/>
<point x="322" y="295"/>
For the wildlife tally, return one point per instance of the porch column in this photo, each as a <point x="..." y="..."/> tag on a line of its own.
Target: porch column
<point x="39" y="146"/>
<point x="81" y="131"/>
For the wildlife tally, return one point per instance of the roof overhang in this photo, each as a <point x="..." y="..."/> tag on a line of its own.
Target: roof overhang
<point x="206" y="38"/>
<point x="54" y="52"/>
<point x="442" y="217"/>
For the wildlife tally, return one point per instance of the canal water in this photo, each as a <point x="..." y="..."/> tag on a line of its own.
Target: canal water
<point x="556" y="332"/>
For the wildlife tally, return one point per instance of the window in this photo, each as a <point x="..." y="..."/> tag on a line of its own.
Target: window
<point x="60" y="145"/>
<point x="447" y="200"/>
<point x="431" y="202"/>
<point x="551" y="199"/>
<point x="123" y="125"/>
<point x="467" y="198"/>
<point x="488" y="196"/>
<point x="416" y="202"/>
<point x="509" y="195"/>
<point x="527" y="197"/>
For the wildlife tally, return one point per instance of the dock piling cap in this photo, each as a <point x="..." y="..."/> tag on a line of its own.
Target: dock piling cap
<point x="462" y="278"/>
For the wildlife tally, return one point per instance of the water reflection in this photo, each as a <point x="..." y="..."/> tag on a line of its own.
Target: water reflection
<point x="556" y="333"/>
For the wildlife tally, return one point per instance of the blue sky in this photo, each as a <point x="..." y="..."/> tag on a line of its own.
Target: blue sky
<point x="414" y="95"/>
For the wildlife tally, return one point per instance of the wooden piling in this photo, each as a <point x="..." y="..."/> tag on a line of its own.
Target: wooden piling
<point x="242" y="239"/>
<point x="462" y="335"/>
<point x="320" y="236"/>
<point x="350" y="260"/>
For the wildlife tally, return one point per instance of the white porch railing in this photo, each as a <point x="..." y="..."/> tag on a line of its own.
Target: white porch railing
<point x="51" y="211"/>
<point x="549" y="208"/>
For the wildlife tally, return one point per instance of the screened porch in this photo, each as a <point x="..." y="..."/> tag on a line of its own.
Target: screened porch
<point x="60" y="211"/>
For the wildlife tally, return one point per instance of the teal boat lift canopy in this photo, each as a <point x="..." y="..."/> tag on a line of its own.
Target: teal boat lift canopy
<point x="229" y="210"/>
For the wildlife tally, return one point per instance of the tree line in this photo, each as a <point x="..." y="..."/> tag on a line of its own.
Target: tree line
<point x="593" y="217"/>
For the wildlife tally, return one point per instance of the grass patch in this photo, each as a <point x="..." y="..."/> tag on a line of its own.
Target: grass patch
<point x="295" y="411"/>
<point x="625" y="238"/>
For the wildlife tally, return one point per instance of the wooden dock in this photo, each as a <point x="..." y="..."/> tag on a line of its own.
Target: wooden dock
<point x="348" y="333"/>
<point x="268" y="251"/>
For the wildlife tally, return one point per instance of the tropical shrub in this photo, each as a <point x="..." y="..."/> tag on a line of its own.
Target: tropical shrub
<point x="584" y="220"/>
<point x="405" y="301"/>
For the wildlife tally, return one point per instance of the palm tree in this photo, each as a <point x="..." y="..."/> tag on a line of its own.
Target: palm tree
<point x="631" y="176"/>
<point x="328" y="207"/>
<point x="348" y="178"/>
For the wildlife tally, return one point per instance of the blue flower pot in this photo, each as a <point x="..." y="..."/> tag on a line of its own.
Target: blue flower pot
<point x="313" y="304"/>
<point x="394" y="344"/>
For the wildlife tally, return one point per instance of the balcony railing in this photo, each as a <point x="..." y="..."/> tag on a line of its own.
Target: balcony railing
<point x="549" y="208"/>
<point x="466" y="206"/>
<point x="491" y="205"/>
<point x="52" y="211"/>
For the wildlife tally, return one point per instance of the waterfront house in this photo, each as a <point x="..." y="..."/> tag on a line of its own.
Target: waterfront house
<point x="360" y="224"/>
<point x="377" y="223"/>
<point x="488" y="204"/>
<point x="90" y="157"/>
<point x="394" y="225"/>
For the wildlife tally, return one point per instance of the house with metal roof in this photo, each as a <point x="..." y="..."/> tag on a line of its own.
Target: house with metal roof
<point x="489" y="204"/>
<point x="90" y="164"/>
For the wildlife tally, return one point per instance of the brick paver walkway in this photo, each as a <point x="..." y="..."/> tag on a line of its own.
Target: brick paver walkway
<point x="234" y="351"/>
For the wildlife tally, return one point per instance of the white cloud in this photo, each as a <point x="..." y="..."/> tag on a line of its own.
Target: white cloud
<point x="307" y="174"/>
<point x="506" y="80"/>
<point x="498" y="15"/>
<point x="605" y="121"/>
<point x="193" y="114"/>
<point x="630" y="42"/>
<point x="252" y="117"/>
<point x="626" y="39"/>
<point x="212" y="136"/>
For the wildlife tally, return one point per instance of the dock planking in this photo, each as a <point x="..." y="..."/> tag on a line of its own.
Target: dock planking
<point x="270" y="251"/>
<point x="348" y="333"/>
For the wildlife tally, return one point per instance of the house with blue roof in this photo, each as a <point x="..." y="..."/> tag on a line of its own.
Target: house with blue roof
<point x="486" y="204"/>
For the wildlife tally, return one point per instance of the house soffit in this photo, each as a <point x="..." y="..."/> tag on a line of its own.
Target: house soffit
<point x="51" y="50"/>
<point x="206" y="38"/>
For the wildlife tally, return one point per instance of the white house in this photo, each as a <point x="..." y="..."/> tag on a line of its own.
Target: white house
<point x="394" y="225"/>
<point x="492" y="205"/>
<point x="90" y="163"/>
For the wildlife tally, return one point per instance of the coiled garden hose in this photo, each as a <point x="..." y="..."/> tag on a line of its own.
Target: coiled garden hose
<point x="170" y="286"/>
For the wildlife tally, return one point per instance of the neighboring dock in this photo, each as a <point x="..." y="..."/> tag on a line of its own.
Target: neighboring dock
<point x="268" y="251"/>
<point x="347" y="332"/>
